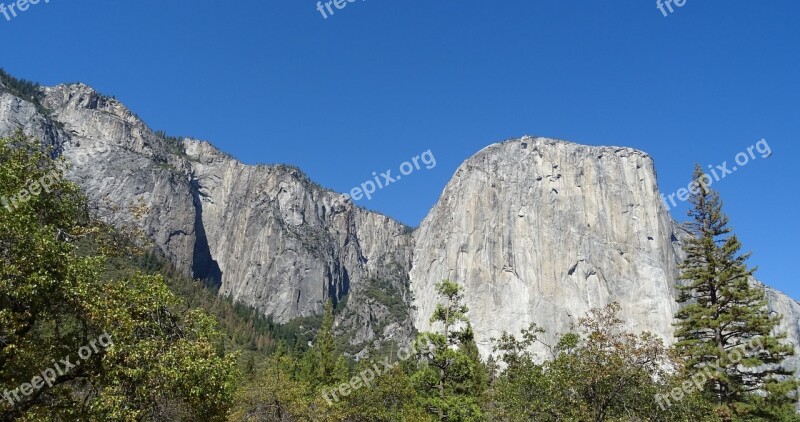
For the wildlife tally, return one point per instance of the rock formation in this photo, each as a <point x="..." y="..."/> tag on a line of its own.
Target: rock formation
<point x="540" y="231"/>
<point x="537" y="230"/>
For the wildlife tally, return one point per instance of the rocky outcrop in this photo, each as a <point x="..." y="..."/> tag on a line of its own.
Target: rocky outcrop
<point x="282" y="244"/>
<point x="790" y="323"/>
<point x="120" y="163"/>
<point x="264" y="235"/>
<point x="540" y="231"/>
<point x="537" y="230"/>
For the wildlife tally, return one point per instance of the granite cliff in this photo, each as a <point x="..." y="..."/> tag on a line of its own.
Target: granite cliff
<point x="540" y="231"/>
<point x="537" y="230"/>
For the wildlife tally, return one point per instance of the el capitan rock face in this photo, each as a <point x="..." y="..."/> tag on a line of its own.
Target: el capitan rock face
<point x="540" y="230"/>
<point x="537" y="230"/>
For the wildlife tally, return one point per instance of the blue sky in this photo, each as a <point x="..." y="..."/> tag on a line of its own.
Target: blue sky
<point x="382" y="81"/>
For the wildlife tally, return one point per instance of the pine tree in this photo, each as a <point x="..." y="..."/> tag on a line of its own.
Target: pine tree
<point x="480" y="382"/>
<point x="724" y="329"/>
<point x="321" y="363"/>
<point x="250" y="365"/>
<point x="449" y="376"/>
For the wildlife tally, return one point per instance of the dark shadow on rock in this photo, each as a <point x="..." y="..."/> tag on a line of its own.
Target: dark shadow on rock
<point x="204" y="267"/>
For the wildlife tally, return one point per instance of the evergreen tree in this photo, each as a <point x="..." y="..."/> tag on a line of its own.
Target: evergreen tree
<point x="250" y="365"/>
<point x="724" y="326"/>
<point x="322" y="364"/>
<point x="392" y="397"/>
<point x="480" y="382"/>
<point x="276" y="395"/>
<point x="281" y="349"/>
<point x="448" y="375"/>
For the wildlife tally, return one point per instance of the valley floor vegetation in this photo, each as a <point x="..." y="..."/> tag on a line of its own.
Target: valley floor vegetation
<point x="182" y="353"/>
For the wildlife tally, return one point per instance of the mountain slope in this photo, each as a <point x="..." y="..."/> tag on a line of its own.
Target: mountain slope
<point x="537" y="230"/>
<point x="264" y="235"/>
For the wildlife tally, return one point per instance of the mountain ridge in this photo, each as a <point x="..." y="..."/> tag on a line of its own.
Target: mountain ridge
<point x="267" y="235"/>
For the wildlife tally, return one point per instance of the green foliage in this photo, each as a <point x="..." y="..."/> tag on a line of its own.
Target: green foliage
<point x="245" y="328"/>
<point x="598" y="372"/>
<point x="724" y="326"/>
<point x="181" y="352"/>
<point x="322" y="364"/>
<point x="27" y="90"/>
<point x="55" y="300"/>
<point x="447" y="376"/>
<point x="279" y="393"/>
<point x="393" y="397"/>
<point x="173" y="144"/>
<point x="387" y="295"/>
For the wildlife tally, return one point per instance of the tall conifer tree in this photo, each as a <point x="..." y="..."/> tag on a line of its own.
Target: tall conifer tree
<point x="448" y="377"/>
<point x="724" y="327"/>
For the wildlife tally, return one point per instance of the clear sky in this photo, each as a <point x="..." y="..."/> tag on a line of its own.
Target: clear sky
<point x="381" y="81"/>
